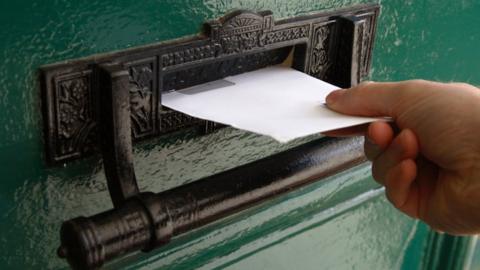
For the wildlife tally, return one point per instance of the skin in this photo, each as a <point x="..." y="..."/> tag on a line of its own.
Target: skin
<point x="428" y="159"/>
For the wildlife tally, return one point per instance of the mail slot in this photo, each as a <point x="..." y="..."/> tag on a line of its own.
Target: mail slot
<point x="105" y="103"/>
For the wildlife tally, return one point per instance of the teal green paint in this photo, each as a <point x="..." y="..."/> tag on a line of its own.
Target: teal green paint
<point x="366" y="246"/>
<point x="416" y="39"/>
<point x="414" y="253"/>
<point x="435" y="40"/>
<point x="476" y="256"/>
<point x="447" y="252"/>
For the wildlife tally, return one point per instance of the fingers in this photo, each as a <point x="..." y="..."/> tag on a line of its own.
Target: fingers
<point x="395" y="167"/>
<point x="404" y="146"/>
<point x="401" y="189"/>
<point x="427" y="173"/>
<point x="367" y="99"/>
<point x="378" y="137"/>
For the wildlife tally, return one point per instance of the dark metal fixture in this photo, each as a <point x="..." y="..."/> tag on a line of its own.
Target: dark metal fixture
<point x="334" y="46"/>
<point x="111" y="100"/>
<point x="148" y="220"/>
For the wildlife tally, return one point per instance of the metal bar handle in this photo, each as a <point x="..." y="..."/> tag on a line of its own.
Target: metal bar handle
<point x="151" y="220"/>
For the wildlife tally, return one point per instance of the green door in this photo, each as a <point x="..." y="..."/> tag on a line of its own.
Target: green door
<point x="343" y="222"/>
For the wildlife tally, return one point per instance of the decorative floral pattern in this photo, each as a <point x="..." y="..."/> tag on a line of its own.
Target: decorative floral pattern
<point x="285" y="35"/>
<point x="74" y="115"/>
<point x="141" y="99"/>
<point x="239" y="43"/>
<point x="236" y="44"/>
<point x="319" y="63"/>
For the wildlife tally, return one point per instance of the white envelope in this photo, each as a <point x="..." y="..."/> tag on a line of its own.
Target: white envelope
<point x="276" y="101"/>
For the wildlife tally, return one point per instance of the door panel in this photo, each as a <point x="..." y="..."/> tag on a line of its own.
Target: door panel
<point x="342" y="222"/>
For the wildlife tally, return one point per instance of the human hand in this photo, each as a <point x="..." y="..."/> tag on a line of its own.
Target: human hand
<point x="431" y="168"/>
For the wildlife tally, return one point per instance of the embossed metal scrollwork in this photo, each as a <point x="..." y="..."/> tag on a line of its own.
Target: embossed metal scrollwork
<point x="320" y="61"/>
<point x="239" y="42"/>
<point x="141" y="98"/>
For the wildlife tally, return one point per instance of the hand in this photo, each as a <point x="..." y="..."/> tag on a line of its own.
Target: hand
<point x="431" y="168"/>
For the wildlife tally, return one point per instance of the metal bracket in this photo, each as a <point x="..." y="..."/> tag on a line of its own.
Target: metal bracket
<point x="329" y="46"/>
<point x="333" y="46"/>
<point x="115" y="132"/>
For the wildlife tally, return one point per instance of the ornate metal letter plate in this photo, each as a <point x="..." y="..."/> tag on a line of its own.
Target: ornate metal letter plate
<point x="334" y="46"/>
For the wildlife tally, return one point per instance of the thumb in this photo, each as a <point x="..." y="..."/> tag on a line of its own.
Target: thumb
<point x="368" y="99"/>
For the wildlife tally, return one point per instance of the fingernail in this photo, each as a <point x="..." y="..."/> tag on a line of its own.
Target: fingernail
<point x="334" y="96"/>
